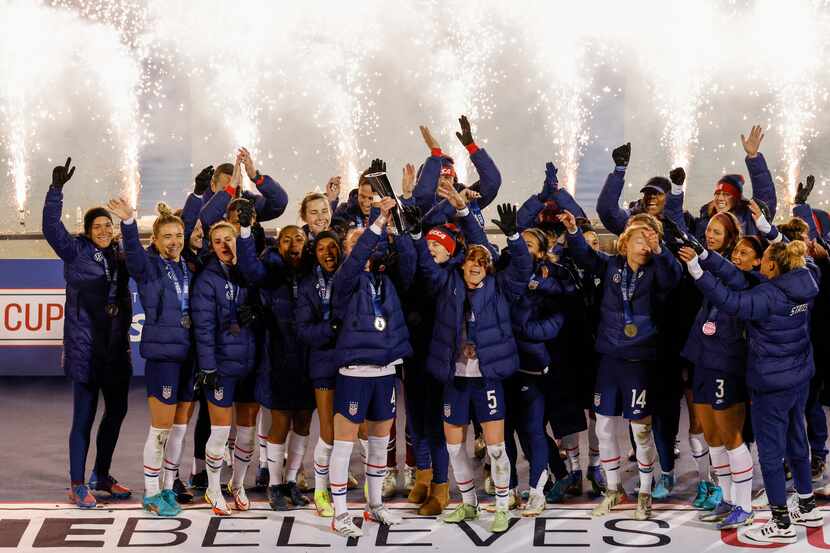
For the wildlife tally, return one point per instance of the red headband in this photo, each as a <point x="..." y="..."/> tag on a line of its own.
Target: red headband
<point x="729" y="188"/>
<point x="447" y="171"/>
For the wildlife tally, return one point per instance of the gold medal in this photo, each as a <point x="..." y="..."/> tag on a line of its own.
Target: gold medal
<point x="630" y="330"/>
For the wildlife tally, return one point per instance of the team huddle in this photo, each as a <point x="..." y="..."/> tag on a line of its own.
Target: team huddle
<point x="541" y="340"/>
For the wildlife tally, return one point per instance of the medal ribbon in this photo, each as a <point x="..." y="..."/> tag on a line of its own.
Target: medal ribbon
<point x="476" y="211"/>
<point x="182" y="290"/>
<point x="234" y="292"/>
<point x="377" y="306"/>
<point x="628" y="283"/>
<point x="325" y="293"/>
<point x="112" y="278"/>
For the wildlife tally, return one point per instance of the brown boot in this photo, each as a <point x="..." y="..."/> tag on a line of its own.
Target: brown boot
<point x="439" y="497"/>
<point x="420" y="490"/>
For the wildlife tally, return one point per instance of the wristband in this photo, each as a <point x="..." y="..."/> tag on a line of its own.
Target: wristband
<point x="472" y="148"/>
<point x="245" y="232"/>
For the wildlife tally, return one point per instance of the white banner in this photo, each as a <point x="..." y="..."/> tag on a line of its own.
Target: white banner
<point x="31" y="316"/>
<point x="25" y="527"/>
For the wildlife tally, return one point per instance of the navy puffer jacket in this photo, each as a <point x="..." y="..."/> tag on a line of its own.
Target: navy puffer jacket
<point x="163" y="337"/>
<point x="491" y="303"/>
<point x="653" y="281"/>
<point x="359" y="342"/>
<point x="314" y="329"/>
<point x="94" y="345"/>
<point x="279" y="286"/>
<point x="216" y="347"/>
<point x="777" y="314"/>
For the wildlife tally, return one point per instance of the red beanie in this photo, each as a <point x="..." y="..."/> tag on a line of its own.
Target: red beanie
<point x="442" y="237"/>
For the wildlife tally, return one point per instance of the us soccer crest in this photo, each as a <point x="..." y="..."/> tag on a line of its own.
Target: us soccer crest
<point x="353" y="405"/>
<point x="596" y="399"/>
<point x="99" y="256"/>
<point x="447" y="410"/>
<point x="616" y="278"/>
<point x="228" y="292"/>
<point x="219" y="393"/>
<point x="166" y="392"/>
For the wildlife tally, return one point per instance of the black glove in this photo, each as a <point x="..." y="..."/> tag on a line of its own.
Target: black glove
<point x="803" y="192"/>
<point x="202" y="180"/>
<point x="675" y="238"/>
<point x="677" y="176"/>
<point x="336" y="325"/>
<point x="466" y="134"/>
<point x="245" y="210"/>
<point x="412" y="218"/>
<point x="622" y="155"/>
<point x="206" y="379"/>
<point x="551" y="182"/>
<point x="61" y="174"/>
<point x="248" y="314"/>
<point x="507" y="219"/>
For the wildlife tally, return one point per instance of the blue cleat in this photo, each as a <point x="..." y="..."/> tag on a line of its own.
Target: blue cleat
<point x="157" y="505"/>
<point x="80" y="496"/>
<point x="737" y="517"/>
<point x="702" y="494"/>
<point x="110" y="485"/>
<point x="717" y="514"/>
<point x="664" y="487"/>
<point x="597" y="479"/>
<point x="556" y="493"/>
<point x="169" y="497"/>
<point x="714" y="498"/>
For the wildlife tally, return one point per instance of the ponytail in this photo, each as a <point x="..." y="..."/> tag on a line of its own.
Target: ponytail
<point x="165" y="217"/>
<point x="788" y="256"/>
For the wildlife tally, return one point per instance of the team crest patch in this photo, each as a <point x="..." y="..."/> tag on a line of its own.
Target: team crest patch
<point x="597" y="398"/>
<point x="228" y="292"/>
<point x="99" y="256"/>
<point x="447" y="410"/>
<point x="219" y="393"/>
<point x="617" y="278"/>
<point x="353" y="406"/>
<point x="167" y="392"/>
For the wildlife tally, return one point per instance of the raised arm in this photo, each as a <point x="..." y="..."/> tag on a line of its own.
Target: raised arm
<point x="489" y="177"/>
<point x="56" y="235"/>
<point x="724" y="270"/>
<point x="612" y="216"/>
<point x="802" y="209"/>
<point x="138" y="260"/>
<point x="584" y="255"/>
<point x="345" y="279"/>
<point x="425" y="186"/>
<point x="407" y="264"/>
<point x="763" y="187"/>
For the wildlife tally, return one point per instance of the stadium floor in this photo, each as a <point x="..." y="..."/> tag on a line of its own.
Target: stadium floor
<point x="36" y="415"/>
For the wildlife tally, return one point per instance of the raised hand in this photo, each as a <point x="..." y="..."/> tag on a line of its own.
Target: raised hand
<point x="245" y="210"/>
<point x="551" y="181"/>
<point x="333" y="188"/>
<point x="202" y="180"/>
<point x="61" y="174"/>
<point x="449" y="193"/>
<point x="751" y="144"/>
<point x="412" y="219"/>
<point x="121" y="208"/>
<point x="803" y="192"/>
<point x="677" y="176"/>
<point x="430" y="141"/>
<point x="245" y="156"/>
<point x="236" y="177"/>
<point x="466" y="134"/>
<point x="622" y="155"/>
<point x="653" y="240"/>
<point x="567" y="218"/>
<point x="686" y="254"/>
<point x="507" y="219"/>
<point x="387" y="204"/>
<point x="408" y="181"/>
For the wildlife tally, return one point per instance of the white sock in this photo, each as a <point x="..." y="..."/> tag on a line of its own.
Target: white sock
<point x="276" y="460"/>
<point x="540" y="485"/>
<point x="720" y="464"/>
<point x="364" y="451"/>
<point x="263" y="426"/>
<point x="593" y="443"/>
<point x="500" y="472"/>
<point x="340" y="454"/>
<point x="376" y="468"/>
<point x="153" y="455"/>
<point x="606" y="428"/>
<point x="700" y="452"/>
<point x="173" y="454"/>
<point x="215" y="455"/>
<point x="646" y="454"/>
<point x="242" y="453"/>
<point x="570" y="444"/>
<point x="296" y="452"/>
<point x="322" y="457"/>
<point x="740" y="464"/>
<point x="198" y="465"/>
<point x="231" y="441"/>
<point x="460" y="462"/>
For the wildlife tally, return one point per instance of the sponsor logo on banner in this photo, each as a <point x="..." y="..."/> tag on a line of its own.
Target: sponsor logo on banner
<point x="31" y="317"/>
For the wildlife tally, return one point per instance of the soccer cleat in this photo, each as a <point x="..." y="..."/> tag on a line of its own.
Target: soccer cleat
<point x="322" y="502"/>
<point x="718" y="514"/>
<point x="409" y="478"/>
<point x="702" y="494"/>
<point x="461" y="513"/>
<point x="664" y="486"/>
<point x="575" y="487"/>
<point x="643" y="511"/>
<point x="771" y="532"/>
<point x="156" y="505"/>
<point x="240" y="498"/>
<point x="295" y="495"/>
<point x="199" y="481"/>
<point x="277" y="498"/>
<point x="183" y="495"/>
<point x="715" y="496"/>
<point x="382" y="515"/>
<point x="805" y="513"/>
<point x="390" y="484"/>
<point x="535" y="504"/>
<point x="597" y="479"/>
<point x="514" y="501"/>
<point x="345" y="526"/>
<point x="217" y="502"/>
<point x="501" y="522"/>
<point x="612" y="499"/>
<point x="262" y="478"/>
<point x="760" y="500"/>
<point x="737" y="517"/>
<point x="80" y="496"/>
<point x="817" y="466"/>
<point x="170" y="497"/>
<point x="110" y="485"/>
<point x="352" y="483"/>
<point x="556" y="493"/>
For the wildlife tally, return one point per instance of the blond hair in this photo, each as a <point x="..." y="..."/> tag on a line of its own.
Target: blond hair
<point x="788" y="256"/>
<point x="165" y="217"/>
<point x="622" y="242"/>
<point x="221" y="225"/>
